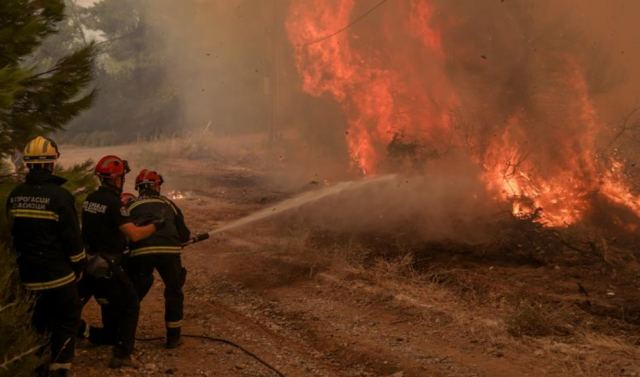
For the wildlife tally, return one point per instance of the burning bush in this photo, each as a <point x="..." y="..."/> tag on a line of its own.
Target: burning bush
<point x="536" y="131"/>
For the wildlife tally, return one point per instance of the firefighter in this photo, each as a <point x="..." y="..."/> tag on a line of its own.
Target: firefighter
<point x="106" y="230"/>
<point x="161" y="251"/>
<point x="97" y="335"/>
<point x="50" y="255"/>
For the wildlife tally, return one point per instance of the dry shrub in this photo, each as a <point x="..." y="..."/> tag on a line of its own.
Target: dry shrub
<point x="351" y="254"/>
<point x="342" y="249"/>
<point x="202" y="145"/>
<point x="535" y="319"/>
<point x="400" y="266"/>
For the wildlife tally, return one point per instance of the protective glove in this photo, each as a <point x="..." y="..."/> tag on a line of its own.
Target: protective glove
<point x="159" y="223"/>
<point x="98" y="266"/>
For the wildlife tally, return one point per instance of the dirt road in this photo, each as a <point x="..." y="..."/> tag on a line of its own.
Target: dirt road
<point x="307" y="308"/>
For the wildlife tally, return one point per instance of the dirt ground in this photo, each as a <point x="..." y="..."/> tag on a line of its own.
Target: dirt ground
<point x="312" y="305"/>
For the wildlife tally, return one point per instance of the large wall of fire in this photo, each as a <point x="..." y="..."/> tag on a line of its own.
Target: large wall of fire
<point x="513" y="85"/>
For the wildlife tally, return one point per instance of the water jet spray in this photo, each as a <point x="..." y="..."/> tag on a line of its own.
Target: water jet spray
<point x="289" y="204"/>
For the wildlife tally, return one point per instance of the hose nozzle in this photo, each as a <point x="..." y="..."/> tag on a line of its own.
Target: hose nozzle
<point x="197" y="238"/>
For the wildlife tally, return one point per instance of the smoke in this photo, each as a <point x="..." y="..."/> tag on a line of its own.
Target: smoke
<point x="229" y="59"/>
<point x="447" y="203"/>
<point x="232" y="62"/>
<point x="512" y="82"/>
<point x="221" y="57"/>
<point x="531" y="92"/>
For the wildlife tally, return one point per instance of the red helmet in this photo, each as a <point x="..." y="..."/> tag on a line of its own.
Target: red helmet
<point x="148" y="177"/>
<point x="127" y="198"/>
<point x="111" y="167"/>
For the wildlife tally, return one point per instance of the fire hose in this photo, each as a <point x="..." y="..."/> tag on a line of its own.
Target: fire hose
<point x="197" y="238"/>
<point x="294" y="202"/>
<point x="224" y="341"/>
<point x="291" y="203"/>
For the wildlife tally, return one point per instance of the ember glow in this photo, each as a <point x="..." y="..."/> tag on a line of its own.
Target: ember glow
<point x="176" y="195"/>
<point x="394" y="82"/>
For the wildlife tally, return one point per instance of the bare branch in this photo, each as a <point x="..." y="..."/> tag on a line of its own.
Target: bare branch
<point x="6" y="363"/>
<point x="625" y="126"/>
<point x="7" y="307"/>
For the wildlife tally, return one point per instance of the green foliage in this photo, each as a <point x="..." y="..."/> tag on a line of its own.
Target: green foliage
<point x="115" y="18"/>
<point x="35" y="98"/>
<point x="16" y="335"/>
<point x="23" y="26"/>
<point x="5" y="189"/>
<point x="40" y="102"/>
<point x="17" y="340"/>
<point x="80" y="180"/>
<point x="130" y="75"/>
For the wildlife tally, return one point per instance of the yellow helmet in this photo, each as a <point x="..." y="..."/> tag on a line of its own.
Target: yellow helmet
<point x="40" y="150"/>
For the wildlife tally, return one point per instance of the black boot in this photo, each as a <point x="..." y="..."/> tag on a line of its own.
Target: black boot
<point x="84" y="330"/>
<point x="118" y="361"/>
<point x="173" y="338"/>
<point x="59" y="373"/>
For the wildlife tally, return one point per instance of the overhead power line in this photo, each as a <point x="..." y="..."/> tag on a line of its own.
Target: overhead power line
<point x="355" y="21"/>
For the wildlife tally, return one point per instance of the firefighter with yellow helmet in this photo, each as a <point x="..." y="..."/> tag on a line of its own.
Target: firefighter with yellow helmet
<point x="49" y="251"/>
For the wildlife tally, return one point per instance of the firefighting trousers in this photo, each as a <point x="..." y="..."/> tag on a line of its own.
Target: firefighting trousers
<point x="57" y="314"/>
<point x="169" y="266"/>
<point x="120" y="308"/>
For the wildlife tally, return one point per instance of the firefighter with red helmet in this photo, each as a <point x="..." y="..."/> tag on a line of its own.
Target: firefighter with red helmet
<point x="96" y="334"/>
<point x="161" y="251"/>
<point x="106" y="230"/>
<point x="50" y="255"/>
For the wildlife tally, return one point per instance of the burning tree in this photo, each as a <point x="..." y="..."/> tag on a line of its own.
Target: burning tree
<point x="418" y="63"/>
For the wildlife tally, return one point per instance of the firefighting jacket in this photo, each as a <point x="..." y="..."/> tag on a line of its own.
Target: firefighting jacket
<point x="102" y="216"/>
<point x="167" y="240"/>
<point x="46" y="232"/>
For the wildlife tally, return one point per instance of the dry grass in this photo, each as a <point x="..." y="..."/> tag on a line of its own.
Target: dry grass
<point x="537" y="320"/>
<point x="591" y="355"/>
<point x="529" y="320"/>
<point x="402" y="266"/>
<point x="518" y="324"/>
<point x="195" y="146"/>
<point x="203" y="145"/>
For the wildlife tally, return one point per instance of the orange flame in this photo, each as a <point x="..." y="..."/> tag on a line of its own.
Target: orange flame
<point x="615" y="187"/>
<point x="405" y="91"/>
<point x="380" y="100"/>
<point x="561" y="193"/>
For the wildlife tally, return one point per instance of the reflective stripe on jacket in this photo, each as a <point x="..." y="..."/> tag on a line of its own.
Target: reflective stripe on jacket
<point x="45" y="231"/>
<point x="168" y="239"/>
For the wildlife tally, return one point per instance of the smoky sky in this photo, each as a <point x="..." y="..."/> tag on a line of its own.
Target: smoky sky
<point x="232" y="65"/>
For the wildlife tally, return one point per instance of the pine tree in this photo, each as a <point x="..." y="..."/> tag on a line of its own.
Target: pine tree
<point x="132" y="76"/>
<point x="36" y="97"/>
<point x="36" y="100"/>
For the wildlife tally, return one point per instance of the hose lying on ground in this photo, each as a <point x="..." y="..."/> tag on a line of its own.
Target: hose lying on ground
<point x="224" y="341"/>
